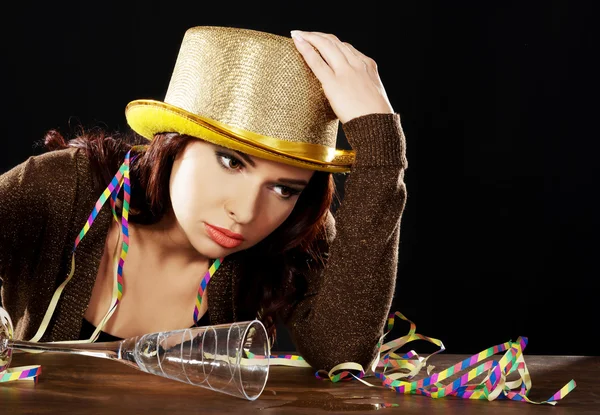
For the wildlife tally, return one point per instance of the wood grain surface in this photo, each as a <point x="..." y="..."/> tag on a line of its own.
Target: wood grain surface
<point x="74" y="384"/>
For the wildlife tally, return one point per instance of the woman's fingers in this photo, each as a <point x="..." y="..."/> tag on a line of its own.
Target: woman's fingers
<point x="349" y="78"/>
<point x="313" y="59"/>
<point x="349" y="53"/>
<point x="326" y="47"/>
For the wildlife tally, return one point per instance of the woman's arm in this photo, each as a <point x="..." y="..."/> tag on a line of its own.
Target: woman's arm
<point x="343" y="314"/>
<point x="345" y="309"/>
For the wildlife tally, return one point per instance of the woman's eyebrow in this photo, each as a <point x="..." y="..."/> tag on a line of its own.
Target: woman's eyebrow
<point x="293" y="181"/>
<point x="250" y="161"/>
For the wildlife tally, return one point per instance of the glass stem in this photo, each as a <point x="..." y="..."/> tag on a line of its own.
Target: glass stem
<point x="122" y="350"/>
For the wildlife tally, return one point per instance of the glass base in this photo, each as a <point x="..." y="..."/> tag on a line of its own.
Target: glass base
<point x="6" y="334"/>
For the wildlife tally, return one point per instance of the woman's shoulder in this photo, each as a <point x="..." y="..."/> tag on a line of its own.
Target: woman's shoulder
<point x="54" y="176"/>
<point x="51" y="164"/>
<point x="42" y="169"/>
<point x="40" y="197"/>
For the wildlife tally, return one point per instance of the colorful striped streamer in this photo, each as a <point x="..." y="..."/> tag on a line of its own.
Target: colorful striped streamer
<point x="493" y="386"/>
<point x="121" y="180"/>
<point x="283" y="360"/>
<point x="113" y="188"/>
<point x="19" y="373"/>
<point x="390" y="367"/>
<point x="211" y="271"/>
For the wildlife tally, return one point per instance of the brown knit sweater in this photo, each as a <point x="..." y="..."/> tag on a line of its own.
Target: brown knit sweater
<point x="46" y="200"/>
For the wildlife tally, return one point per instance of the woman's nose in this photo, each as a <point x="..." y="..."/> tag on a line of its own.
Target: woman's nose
<point x="242" y="206"/>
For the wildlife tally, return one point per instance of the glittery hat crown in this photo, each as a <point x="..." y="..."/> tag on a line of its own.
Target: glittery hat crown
<point x="250" y="91"/>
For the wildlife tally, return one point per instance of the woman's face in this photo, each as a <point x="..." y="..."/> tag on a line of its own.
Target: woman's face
<point x="225" y="201"/>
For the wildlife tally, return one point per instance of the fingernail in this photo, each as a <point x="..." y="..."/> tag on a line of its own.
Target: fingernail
<point x="296" y="35"/>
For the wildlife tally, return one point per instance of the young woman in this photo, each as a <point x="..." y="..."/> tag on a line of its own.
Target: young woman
<point x="219" y="204"/>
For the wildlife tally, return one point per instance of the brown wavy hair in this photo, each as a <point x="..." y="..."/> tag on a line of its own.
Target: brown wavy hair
<point x="274" y="269"/>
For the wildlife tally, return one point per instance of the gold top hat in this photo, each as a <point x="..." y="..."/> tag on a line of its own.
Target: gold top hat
<point x="250" y="91"/>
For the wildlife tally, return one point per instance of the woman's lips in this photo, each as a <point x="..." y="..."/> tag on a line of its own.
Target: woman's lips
<point x="223" y="237"/>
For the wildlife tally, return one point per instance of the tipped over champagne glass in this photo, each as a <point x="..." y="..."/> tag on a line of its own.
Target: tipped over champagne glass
<point x="229" y="358"/>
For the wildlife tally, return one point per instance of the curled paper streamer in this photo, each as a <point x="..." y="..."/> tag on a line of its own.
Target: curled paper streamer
<point x="391" y="368"/>
<point x="121" y="181"/>
<point x="394" y="371"/>
<point x="19" y="373"/>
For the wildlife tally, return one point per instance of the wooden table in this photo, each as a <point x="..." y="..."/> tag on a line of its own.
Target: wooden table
<point x="74" y="384"/>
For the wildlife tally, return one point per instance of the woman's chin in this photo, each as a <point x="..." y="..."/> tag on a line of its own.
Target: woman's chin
<point x="211" y="249"/>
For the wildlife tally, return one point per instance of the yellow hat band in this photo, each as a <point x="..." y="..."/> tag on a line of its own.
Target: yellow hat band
<point x="149" y="117"/>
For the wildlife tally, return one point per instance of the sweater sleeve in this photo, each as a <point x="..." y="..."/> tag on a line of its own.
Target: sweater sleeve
<point x="342" y="315"/>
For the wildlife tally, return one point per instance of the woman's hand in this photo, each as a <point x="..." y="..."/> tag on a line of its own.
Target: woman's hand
<point x="350" y="79"/>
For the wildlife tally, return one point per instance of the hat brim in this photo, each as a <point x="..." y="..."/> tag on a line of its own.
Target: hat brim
<point x="149" y="117"/>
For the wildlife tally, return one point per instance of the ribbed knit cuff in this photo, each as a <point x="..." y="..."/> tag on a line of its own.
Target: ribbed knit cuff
<point x="378" y="140"/>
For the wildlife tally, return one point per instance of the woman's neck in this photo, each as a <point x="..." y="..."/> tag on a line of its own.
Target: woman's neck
<point x="165" y="239"/>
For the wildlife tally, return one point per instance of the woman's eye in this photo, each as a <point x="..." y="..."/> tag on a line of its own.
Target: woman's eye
<point x="229" y="162"/>
<point x="286" y="192"/>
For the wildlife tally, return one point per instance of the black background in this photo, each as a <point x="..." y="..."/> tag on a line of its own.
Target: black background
<point x="498" y="101"/>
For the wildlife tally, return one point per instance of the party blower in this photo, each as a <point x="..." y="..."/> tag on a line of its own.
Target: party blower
<point x="229" y="358"/>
